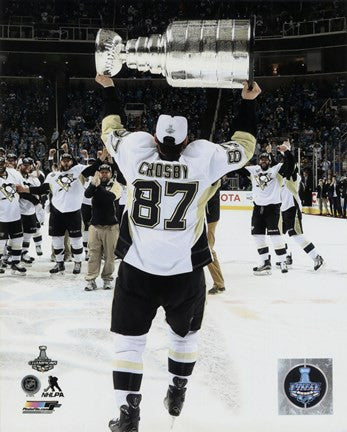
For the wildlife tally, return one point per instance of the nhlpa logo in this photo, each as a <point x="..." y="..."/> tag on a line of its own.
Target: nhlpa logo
<point x="170" y="129"/>
<point x="8" y="190"/>
<point x="65" y="181"/>
<point x="262" y="180"/>
<point x="305" y="391"/>
<point x="53" y="389"/>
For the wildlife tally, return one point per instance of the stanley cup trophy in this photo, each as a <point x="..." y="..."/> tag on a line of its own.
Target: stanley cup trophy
<point x="207" y="53"/>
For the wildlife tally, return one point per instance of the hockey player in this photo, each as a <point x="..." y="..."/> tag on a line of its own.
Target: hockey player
<point x="66" y="187"/>
<point x="267" y="181"/>
<point x="27" y="205"/>
<point x="10" y="219"/>
<point x="86" y="210"/>
<point x="292" y="219"/>
<point x="39" y="209"/>
<point x="163" y="242"/>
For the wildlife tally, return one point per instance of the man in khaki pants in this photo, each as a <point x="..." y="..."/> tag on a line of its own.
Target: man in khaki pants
<point x="212" y="215"/>
<point x="104" y="227"/>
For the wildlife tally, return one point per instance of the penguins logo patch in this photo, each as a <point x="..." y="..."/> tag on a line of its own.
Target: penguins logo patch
<point x="65" y="181"/>
<point x="8" y="190"/>
<point x="263" y="180"/>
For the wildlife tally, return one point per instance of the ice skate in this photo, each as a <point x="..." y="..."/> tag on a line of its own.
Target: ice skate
<point x="284" y="267"/>
<point x="289" y="261"/>
<point x="318" y="262"/>
<point x="27" y="259"/>
<point x="77" y="268"/>
<point x="91" y="286"/>
<point x="59" y="268"/>
<point x="38" y="250"/>
<point x="264" y="269"/>
<point x="18" y="269"/>
<point x="175" y="396"/>
<point x="129" y="418"/>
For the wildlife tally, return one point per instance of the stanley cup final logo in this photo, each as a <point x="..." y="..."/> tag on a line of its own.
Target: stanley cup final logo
<point x="305" y="391"/>
<point x="305" y="386"/>
<point x="42" y="363"/>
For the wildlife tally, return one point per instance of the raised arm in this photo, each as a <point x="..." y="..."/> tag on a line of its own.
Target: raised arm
<point x="233" y="155"/>
<point x="112" y="111"/>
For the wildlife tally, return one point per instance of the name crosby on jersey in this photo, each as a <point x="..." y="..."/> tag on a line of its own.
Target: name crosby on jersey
<point x="159" y="169"/>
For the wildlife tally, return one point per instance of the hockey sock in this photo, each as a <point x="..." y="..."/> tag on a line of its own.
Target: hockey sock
<point x="26" y="242"/>
<point x="127" y="365"/>
<point x="183" y="352"/>
<point x="306" y="245"/>
<point x="76" y="248"/>
<point x="37" y="237"/>
<point x="15" y="246"/>
<point x="279" y="246"/>
<point x="3" y="247"/>
<point x="58" y="247"/>
<point x="262" y="248"/>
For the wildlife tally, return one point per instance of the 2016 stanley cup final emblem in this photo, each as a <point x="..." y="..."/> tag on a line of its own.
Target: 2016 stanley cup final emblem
<point x="42" y="363"/>
<point x="305" y="386"/>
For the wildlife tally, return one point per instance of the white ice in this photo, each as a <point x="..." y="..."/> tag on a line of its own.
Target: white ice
<point x="257" y="321"/>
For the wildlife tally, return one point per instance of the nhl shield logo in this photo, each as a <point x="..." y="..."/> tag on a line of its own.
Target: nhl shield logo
<point x="42" y="363"/>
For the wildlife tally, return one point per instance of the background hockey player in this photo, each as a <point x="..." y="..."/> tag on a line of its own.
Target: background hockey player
<point x="10" y="218"/>
<point x="267" y="181"/>
<point x="163" y="241"/>
<point x="66" y="187"/>
<point x="27" y="205"/>
<point x="292" y="219"/>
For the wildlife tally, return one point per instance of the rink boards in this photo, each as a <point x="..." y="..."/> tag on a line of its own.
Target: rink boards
<point x="243" y="200"/>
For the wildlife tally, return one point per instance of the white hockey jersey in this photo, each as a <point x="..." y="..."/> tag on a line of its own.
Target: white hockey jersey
<point x="266" y="185"/>
<point x="67" y="188"/>
<point x="27" y="208"/>
<point x="166" y="199"/>
<point x="290" y="193"/>
<point x="9" y="198"/>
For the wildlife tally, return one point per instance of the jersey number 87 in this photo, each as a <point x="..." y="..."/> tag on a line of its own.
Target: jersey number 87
<point x="147" y="198"/>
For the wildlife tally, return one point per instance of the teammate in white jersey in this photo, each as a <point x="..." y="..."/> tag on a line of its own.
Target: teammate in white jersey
<point x="27" y="205"/>
<point x="66" y="187"/>
<point x="266" y="189"/>
<point x="163" y="241"/>
<point x="292" y="219"/>
<point x="10" y="218"/>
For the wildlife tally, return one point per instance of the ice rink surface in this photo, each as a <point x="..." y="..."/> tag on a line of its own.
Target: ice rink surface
<point x="258" y="320"/>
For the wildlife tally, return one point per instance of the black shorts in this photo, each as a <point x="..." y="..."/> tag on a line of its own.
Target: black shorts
<point x="59" y="223"/>
<point x="11" y="230"/>
<point x="138" y="295"/>
<point x="86" y="215"/>
<point x="292" y="221"/>
<point x="266" y="219"/>
<point x="29" y="223"/>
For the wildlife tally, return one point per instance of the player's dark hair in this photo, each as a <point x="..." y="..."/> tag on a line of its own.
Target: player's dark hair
<point x="168" y="150"/>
